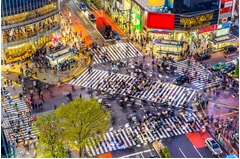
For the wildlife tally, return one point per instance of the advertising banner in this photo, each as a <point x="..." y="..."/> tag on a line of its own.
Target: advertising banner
<point x="207" y="29"/>
<point x="159" y="21"/>
<point x="160" y="3"/>
<point x="224" y="10"/>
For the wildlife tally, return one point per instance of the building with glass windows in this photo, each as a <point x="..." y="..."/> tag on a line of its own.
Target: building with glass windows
<point x="27" y="25"/>
<point x="177" y="22"/>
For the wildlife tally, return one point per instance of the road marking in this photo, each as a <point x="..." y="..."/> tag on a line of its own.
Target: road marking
<point x="135" y="153"/>
<point x="227" y="114"/>
<point x="197" y="151"/>
<point x="224" y="105"/>
<point x="142" y="155"/>
<point x="182" y="153"/>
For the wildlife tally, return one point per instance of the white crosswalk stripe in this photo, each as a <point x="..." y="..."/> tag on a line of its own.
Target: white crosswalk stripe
<point x="146" y="133"/>
<point x="12" y="116"/>
<point x="156" y="90"/>
<point x="201" y="72"/>
<point x="115" y="52"/>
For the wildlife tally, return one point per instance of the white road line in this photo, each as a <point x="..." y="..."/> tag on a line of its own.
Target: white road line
<point x="197" y="151"/>
<point x="136" y="153"/>
<point x="182" y="153"/>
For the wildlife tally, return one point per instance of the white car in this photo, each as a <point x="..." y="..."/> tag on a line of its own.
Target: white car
<point x="213" y="146"/>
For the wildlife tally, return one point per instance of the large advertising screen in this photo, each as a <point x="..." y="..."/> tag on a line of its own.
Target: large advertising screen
<point x="160" y="3"/>
<point x="159" y="21"/>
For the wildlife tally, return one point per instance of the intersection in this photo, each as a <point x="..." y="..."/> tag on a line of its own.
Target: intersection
<point x="174" y="99"/>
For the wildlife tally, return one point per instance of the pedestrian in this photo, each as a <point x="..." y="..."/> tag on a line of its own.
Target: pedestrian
<point x="13" y="87"/>
<point x="16" y="107"/>
<point x="20" y="96"/>
<point x="42" y="97"/>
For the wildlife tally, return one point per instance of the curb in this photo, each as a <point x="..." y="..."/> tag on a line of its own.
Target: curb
<point x="65" y="80"/>
<point x="77" y="74"/>
<point x="17" y="84"/>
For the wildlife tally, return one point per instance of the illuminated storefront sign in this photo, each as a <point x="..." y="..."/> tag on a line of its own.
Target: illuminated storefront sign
<point x="159" y="21"/>
<point x="207" y="29"/>
<point x="224" y="10"/>
<point x="222" y="32"/>
<point x="196" y="21"/>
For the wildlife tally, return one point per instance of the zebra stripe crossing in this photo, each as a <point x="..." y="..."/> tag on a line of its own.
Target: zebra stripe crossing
<point x="115" y="52"/>
<point x="176" y="95"/>
<point x="141" y="134"/>
<point x="201" y="72"/>
<point x="12" y="117"/>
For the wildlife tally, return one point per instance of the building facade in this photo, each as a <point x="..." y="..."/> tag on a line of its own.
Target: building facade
<point x="27" y="25"/>
<point x="178" y="21"/>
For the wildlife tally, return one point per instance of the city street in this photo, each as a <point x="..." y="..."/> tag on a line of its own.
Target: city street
<point x="181" y="103"/>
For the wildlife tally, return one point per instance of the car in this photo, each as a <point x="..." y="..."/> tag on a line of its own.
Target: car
<point x="115" y="35"/>
<point x="218" y="66"/>
<point x="234" y="61"/>
<point x="236" y="26"/>
<point x="230" y="49"/>
<point x="230" y="67"/>
<point x="232" y="74"/>
<point x="91" y="17"/>
<point x="235" y="137"/>
<point x="232" y="156"/>
<point x="203" y="56"/>
<point x="83" y="7"/>
<point x="213" y="146"/>
<point x="182" y="79"/>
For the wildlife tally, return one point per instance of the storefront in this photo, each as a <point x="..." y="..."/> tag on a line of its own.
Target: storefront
<point x="219" y="43"/>
<point x="171" y="47"/>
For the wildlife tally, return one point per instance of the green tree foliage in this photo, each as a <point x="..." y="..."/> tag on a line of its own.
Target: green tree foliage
<point x="165" y="153"/>
<point x="237" y="69"/>
<point x="82" y="119"/>
<point x="50" y="136"/>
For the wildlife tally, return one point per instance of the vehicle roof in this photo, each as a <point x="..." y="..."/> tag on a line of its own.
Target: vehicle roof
<point x="231" y="156"/>
<point x="210" y="139"/>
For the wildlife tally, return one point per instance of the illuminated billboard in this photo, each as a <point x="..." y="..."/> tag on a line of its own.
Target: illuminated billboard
<point x="159" y="21"/>
<point x="160" y="3"/>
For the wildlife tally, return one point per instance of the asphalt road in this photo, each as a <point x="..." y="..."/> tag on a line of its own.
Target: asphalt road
<point x="96" y="36"/>
<point x="135" y="152"/>
<point x="181" y="147"/>
<point x="235" y="31"/>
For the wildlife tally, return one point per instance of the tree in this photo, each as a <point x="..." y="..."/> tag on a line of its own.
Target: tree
<point x="81" y="120"/>
<point x="50" y="136"/>
<point x="237" y="69"/>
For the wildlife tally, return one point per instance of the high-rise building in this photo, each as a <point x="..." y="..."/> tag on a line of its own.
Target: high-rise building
<point x="27" y="25"/>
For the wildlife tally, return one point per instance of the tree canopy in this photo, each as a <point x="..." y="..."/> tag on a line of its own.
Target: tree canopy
<point x="78" y="121"/>
<point x="237" y="69"/>
<point x="50" y="136"/>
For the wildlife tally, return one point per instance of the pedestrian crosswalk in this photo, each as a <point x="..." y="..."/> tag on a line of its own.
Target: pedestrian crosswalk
<point x="17" y="124"/>
<point x="202" y="74"/>
<point x="151" y="91"/>
<point x="138" y="135"/>
<point x="115" y="52"/>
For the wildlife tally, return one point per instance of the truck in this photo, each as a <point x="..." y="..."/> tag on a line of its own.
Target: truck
<point x="104" y="27"/>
